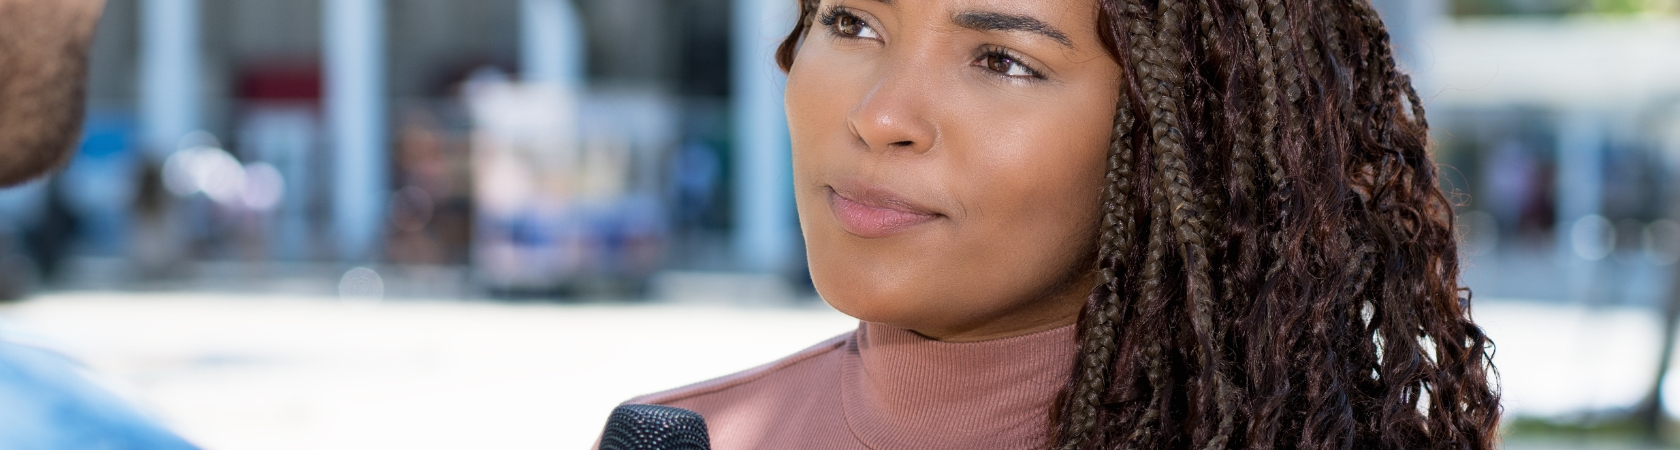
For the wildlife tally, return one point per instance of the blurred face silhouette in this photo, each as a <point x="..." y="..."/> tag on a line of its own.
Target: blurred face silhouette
<point x="949" y="158"/>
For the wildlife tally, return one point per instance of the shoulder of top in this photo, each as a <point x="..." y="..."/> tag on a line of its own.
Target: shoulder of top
<point x="744" y="377"/>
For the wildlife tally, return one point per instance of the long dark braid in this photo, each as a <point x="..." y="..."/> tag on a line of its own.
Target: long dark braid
<point x="1165" y="82"/>
<point x="1276" y="263"/>
<point x="1117" y="230"/>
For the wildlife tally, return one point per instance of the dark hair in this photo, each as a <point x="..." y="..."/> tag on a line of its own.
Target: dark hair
<point x="1278" y="265"/>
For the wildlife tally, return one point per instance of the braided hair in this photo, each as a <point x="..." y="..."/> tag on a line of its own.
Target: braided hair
<point x="1277" y="264"/>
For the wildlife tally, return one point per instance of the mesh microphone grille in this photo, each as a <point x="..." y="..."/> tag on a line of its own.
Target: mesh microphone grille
<point x="654" y="427"/>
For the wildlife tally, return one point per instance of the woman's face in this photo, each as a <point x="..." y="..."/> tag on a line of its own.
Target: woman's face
<point x="948" y="160"/>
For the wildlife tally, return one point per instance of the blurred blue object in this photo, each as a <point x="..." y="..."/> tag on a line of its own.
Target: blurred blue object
<point x="47" y="402"/>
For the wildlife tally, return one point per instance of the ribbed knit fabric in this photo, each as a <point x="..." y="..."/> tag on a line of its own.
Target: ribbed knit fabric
<point x="887" y="388"/>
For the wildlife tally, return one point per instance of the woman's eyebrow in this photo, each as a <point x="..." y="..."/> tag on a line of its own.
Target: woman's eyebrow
<point x="996" y="21"/>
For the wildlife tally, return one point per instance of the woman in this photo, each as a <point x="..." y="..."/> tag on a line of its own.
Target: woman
<point x="1115" y="224"/>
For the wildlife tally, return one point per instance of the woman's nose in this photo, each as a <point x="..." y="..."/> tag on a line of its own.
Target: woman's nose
<point x="894" y="114"/>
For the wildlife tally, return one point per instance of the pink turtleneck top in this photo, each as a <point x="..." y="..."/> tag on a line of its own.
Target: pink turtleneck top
<point x="881" y="387"/>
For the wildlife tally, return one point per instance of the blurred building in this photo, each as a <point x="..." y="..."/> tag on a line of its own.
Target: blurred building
<point x="1559" y="135"/>
<point x="356" y="132"/>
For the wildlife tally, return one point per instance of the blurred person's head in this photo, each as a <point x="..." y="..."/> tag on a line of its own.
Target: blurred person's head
<point x="1233" y="200"/>
<point x="43" y="71"/>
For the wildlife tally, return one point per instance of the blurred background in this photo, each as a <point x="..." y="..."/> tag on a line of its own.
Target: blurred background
<point x="454" y="223"/>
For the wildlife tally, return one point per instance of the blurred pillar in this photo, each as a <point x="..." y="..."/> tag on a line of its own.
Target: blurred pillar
<point x="1580" y="170"/>
<point x="354" y="51"/>
<point x="1579" y="193"/>
<point x="764" y="217"/>
<point x="551" y="43"/>
<point x="170" y="102"/>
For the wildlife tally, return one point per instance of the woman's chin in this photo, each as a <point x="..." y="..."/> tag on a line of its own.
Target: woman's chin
<point x="872" y="305"/>
<point x="852" y="304"/>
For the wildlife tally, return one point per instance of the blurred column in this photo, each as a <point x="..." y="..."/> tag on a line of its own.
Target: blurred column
<point x="551" y="43"/>
<point x="170" y="101"/>
<point x="764" y="216"/>
<point x="1580" y="195"/>
<point x="354" y="51"/>
<point x="1580" y="169"/>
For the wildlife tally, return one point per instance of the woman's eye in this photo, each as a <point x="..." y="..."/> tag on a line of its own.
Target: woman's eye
<point x="848" y="25"/>
<point x="1006" y="65"/>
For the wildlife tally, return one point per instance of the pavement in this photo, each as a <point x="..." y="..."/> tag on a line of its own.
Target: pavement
<point x="256" y="372"/>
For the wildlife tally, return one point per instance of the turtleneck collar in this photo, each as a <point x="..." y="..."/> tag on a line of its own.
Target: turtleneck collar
<point x="903" y="390"/>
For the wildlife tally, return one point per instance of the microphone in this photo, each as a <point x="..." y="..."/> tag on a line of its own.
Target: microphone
<point x="654" y="427"/>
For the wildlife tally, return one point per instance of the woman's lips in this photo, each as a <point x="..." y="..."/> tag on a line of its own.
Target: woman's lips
<point x="875" y="214"/>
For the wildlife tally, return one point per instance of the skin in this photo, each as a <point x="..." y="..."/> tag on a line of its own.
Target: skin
<point x="43" y="74"/>
<point x="905" y="99"/>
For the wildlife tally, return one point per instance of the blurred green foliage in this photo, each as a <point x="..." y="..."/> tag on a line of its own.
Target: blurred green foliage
<point x="1617" y="426"/>
<point x="1558" y="8"/>
<point x="1608" y="430"/>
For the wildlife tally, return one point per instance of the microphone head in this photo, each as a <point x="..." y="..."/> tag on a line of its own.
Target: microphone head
<point x="654" y="427"/>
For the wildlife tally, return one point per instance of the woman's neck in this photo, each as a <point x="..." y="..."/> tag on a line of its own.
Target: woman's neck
<point x="899" y="388"/>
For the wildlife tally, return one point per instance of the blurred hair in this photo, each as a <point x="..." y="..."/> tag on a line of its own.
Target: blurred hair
<point x="43" y="72"/>
<point x="1278" y="265"/>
